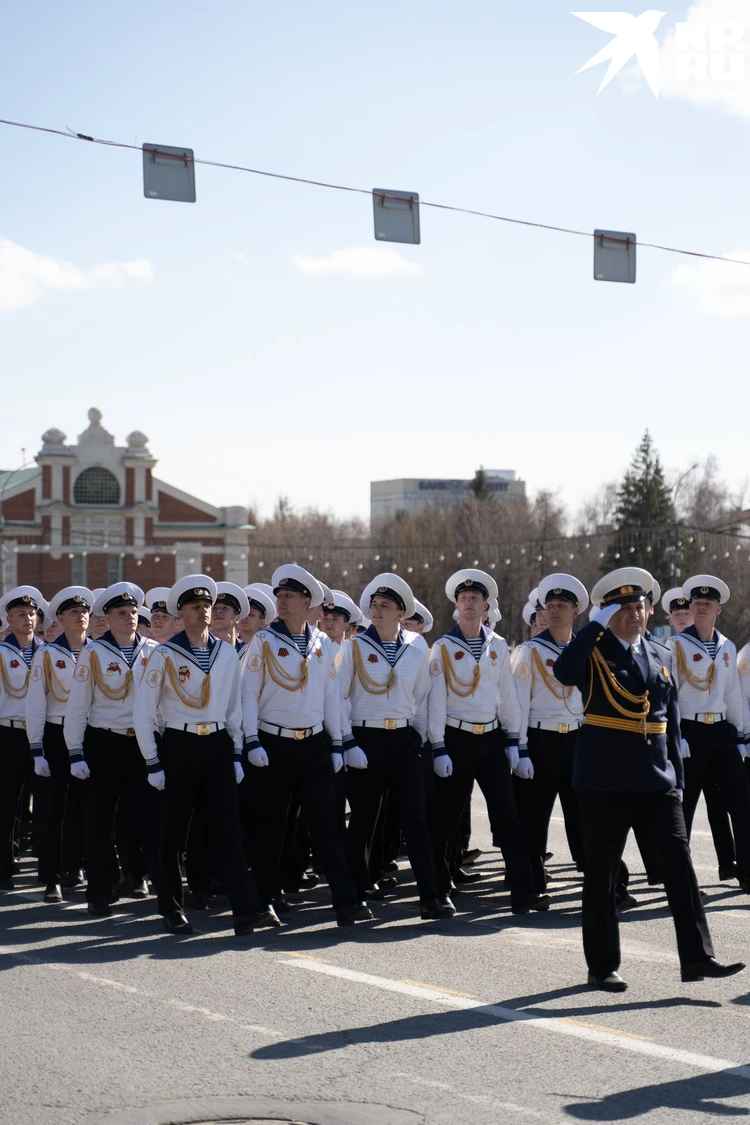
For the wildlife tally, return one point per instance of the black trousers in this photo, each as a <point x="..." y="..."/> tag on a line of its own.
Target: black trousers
<point x="715" y="760"/>
<point x="719" y="823"/>
<point x="395" y="766"/>
<point x="15" y="769"/>
<point x="480" y="758"/>
<point x="202" y="767"/>
<point x="58" y="811"/>
<point x="607" y="817"/>
<point x="118" y="772"/>
<point x="552" y="757"/>
<point x="296" y="771"/>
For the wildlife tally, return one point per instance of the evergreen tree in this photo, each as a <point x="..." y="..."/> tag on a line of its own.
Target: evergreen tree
<point x="642" y="516"/>
<point x="479" y="487"/>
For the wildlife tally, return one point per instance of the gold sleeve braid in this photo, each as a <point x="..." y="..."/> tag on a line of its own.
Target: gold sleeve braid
<point x="115" y="694"/>
<point x="8" y="688"/>
<point x="684" y="673"/>
<point x="552" y="684"/>
<point x="459" y="687"/>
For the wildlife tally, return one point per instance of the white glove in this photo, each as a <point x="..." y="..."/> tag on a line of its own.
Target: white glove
<point x="355" y="759"/>
<point x="257" y="757"/>
<point x="511" y="753"/>
<point x="684" y="748"/>
<point x="742" y="749"/>
<point x="158" y="779"/>
<point x="605" y="615"/>
<point x="338" y="760"/>
<point x="524" y="769"/>
<point x="41" y="767"/>
<point x="239" y="773"/>
<point x="443" y="765"/>
<point x="80" y="770"/>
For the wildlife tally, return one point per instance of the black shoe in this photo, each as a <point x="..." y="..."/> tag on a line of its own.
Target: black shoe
<point x="624" y="900"/>
<point x="17" y="869"/>
<point x="355" y="912"/>
<point x="7" y="885"/>
<point x="392" y="867"/>
<point x="198" y="901"/>
<point x="266" y="916"/>
<point x="308" y="881"/>
<point x="462" y="876"/>
<point x="177" y="924"/>
<point x="72" y="879"/>
<point x="436" y="908"/>
<point x="99" y="908"/>
<point x="388" y="883"/>
<point x="471" y="857"/>
<point x="548" y="855"/>
<point x="244" y="926"/>
<point x="727" y="871"/>
<point x="374" y="893"/>
<point x="282" y="905"/>
<point x="531" y="902"/>
<point x="613" y="982"/>
<point x="53" y="892"/>
<point x="745" y="887"/>
<point x="133" y="888"/>
<point x="112" y="897"/>
<point x="709" y="967"/>
<point x="654" y="880"/>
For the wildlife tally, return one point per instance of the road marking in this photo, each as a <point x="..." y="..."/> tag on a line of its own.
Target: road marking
<point x="475" y="1099"/>
<point x="559" y="1025"/>
<point x="611" y="1030"/>
<point x="306" y="957"/>
<point x="436" y="988"/>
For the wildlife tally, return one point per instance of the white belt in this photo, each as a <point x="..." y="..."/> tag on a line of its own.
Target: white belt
<point x="126" y="732"/>
<point x="475" y="728"/>
<point x="56" y="720"/>
<point x="382" y="724"/>
<point x="19" y="724"/>
<point x="558" y="728"/>
<point x="707" y="717"/>
<point x="196" y="728"/>
<point x="297" y="733"/>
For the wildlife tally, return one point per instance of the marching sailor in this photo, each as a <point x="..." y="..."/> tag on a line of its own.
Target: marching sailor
<point x="628" y="773"/>
<point x="338" y="611"/>
<point x="261" y="611"/>
<point x="19" y="606"/>
<point x="474" y="722"/>
<point x="191" y="688"/>
<point x="552" y="715"/>
<point x="231" y="606"/>
<point x="162" y="623"/>
<point x="49" y="686"/>
<point x="292" y="727"/>
<point x="711" y="714"/>
<point x="101" y="741"/>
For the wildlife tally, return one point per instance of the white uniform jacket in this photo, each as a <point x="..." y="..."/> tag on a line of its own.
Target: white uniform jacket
<point x="542" y="699"/>
<point x="49" y="687"/>
<point x="365" y="671"/>
<point x="453" y="671"/>
<point x="173" y="690"/>
<point x="14" y="679"/>
<point x="743" y="672"/>
<point x="285" y="689"/>
<point x="692" y="671"/>
<point x="103" y="690"/>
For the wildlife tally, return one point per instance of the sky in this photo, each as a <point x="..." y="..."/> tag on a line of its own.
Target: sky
<point x="262" y="338"/>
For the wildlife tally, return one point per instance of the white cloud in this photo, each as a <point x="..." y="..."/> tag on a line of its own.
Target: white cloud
<point x="359" y="261"/>
<point x="25" y="275"/>
<point x="718" y="288"/>
<point x="713" y="68"/>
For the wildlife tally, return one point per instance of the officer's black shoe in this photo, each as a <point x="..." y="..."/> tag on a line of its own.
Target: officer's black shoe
<point x="624" y="900"/>
<point x="198" y="900"/>
<point x="99" y="908"/>
<point x="355" y="912"/>
<point x="53" y="892"/>
<point x="471" y="857"/>
<point x="133" y="888"/>
<point x="709" y="967"/>
<point x="388" y="883"/>
<point x="612" y="982"/>
<point x="112" y="896"/>
<point x="374" y="893"/>
<point x="436" y="908"/>
<point x="727" y="871"/>
<point x="243" y="926"/>
<point x="531" y="902"/>
<point x="177" y="924"/>
<point x="72" y="879"/>
<point x="266" y="916"/>
<point x="462" y="876"/>
<point x="282" y="905"/>
<point x="308" y="881"/>
<point x="392" y="867"/>
<point x="7" y="885"/>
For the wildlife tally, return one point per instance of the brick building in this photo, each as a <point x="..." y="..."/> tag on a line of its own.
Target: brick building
<point x="93" y="513"/>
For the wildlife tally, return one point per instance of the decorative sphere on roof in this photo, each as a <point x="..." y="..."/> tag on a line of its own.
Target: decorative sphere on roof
<point x="137" y="439"/>
<point x="95" y="416"/>
<point x="53" y="437"/>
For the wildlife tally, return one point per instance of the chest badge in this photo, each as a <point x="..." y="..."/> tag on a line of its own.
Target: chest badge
<point x="15" y="664"/>
<point x="696" y="657"/>
<point x="493" y="658"/>
<point x="372" y="658"/>
<point x="319" y="654"/>
<point x="60" y="664"/>
<point x="458" y="655"/>
<point x="726" y="658"/>
<point x="184" y="673"/>
<point x="283" y="652"/>
<point x="113" y="667"/>
<point x="550" y="664"/>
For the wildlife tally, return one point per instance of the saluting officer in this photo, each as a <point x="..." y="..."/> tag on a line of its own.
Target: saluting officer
<point x="100" y="737"/>
<point x="19" y="607"/>
<point x="49" y="686"/>
<point x="550" y="717"/>
<point x="711" y="713"/>
<point x="191" y="688"/>
<point x="628" y="774"/>
<point x="292" y="726"/>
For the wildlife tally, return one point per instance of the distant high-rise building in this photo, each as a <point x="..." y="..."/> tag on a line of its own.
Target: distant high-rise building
<point x="415" y="496"/>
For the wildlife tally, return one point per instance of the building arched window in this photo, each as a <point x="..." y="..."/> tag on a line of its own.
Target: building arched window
<point x="96" y="486"/>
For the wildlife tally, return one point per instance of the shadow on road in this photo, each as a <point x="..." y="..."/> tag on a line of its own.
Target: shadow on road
<point x="701" y="1094"/>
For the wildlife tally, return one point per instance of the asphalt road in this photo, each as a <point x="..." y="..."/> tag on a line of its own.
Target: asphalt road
<point x="483" y="1019"/>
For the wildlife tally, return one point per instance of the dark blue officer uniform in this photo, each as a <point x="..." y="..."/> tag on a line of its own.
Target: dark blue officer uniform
<point x="627" y="772"/>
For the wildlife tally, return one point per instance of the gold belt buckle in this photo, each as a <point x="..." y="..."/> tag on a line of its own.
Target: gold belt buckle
<point x="478" y="728"/>
<point x="299" y="735"/>
<point x="390" y="724"/>
<point x="563" y="728"/>
<point x="708" y="719"/>
<point x="130" y="732"/>
<point x="19" y="724"/>
<point x="203" y="728"/>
